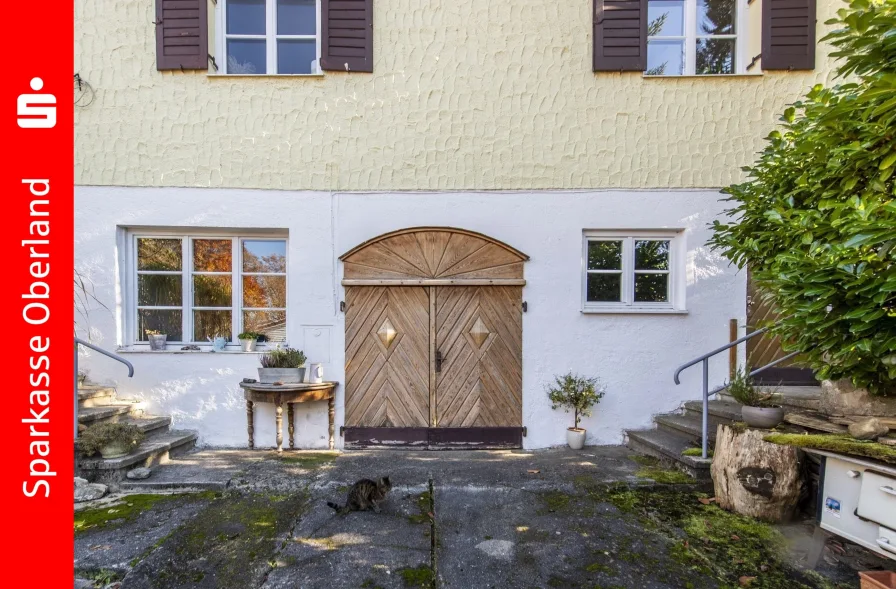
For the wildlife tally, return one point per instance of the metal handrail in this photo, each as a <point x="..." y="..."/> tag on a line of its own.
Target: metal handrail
<point x="706" y="392"/>
<point x="80" y="342"/>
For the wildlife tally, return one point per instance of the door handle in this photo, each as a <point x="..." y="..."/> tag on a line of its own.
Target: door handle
<point x="885" y="544"/>
<point x="888" y="490"/>
<point x="438" y="361"/>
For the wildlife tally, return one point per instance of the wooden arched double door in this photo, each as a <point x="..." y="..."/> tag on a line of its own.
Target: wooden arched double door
<point x="433" y="340"/>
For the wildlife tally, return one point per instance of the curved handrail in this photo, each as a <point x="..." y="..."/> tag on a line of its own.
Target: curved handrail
<point x="79" y="341"/>
<point x="727" y="346"/>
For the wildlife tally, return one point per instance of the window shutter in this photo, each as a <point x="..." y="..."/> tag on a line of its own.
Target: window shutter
<point x="620" y="35"/>
<point x="181" y="34"/>
<point x="788" y="34"/>
<point x="346" y="35"/>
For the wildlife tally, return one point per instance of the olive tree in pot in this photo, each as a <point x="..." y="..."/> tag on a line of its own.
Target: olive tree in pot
<point x="760" y="409"/>
<point x="282" y="365"/>
<point x="578" y="394"/>
<point x="110" y="440"/>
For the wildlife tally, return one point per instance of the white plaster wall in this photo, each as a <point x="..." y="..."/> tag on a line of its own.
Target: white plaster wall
<point x="635" y="355"/>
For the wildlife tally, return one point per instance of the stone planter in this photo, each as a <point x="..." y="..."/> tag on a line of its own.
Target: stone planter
<point x="284" y="375"/>
<point x="248" y="345"/>
<point x="841" y="398"/>
<point x="158" y="342"/>
<point x="764" y="417"/>
<point x="115" y="449"/>
<point x="575" y="438"/>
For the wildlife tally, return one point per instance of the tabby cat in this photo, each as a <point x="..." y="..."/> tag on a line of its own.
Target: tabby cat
<point x="365" y="494"/>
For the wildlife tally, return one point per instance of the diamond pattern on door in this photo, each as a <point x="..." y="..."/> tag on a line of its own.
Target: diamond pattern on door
<point x="479" y="334"/>
<point x="387" y="356"/>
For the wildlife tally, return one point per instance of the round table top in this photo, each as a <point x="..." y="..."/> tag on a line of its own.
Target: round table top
<point x="288" y="387"/>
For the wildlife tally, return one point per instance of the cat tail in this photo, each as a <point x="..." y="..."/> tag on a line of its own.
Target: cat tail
<point x="334" y="506"/>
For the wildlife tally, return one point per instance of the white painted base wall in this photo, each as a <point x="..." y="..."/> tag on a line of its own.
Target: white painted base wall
<point x="634" y="355"/>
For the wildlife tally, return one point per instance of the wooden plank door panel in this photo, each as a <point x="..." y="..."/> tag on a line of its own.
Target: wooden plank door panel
<point x="387" y="335"/>
<point x="479" y="335"/>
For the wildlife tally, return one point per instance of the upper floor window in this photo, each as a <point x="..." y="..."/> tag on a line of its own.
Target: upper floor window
<point x="270" y="36"/>
<point x="694" y="37"/>
<point x="193" y="288"/>
<point x="637" y="271"/>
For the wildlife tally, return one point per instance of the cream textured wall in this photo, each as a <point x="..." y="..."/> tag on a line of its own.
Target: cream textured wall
<point x="465" y="95"/>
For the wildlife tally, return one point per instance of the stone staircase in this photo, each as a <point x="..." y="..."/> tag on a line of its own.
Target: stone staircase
<point x="99" y="404"/>
<point x="677" y="432"/>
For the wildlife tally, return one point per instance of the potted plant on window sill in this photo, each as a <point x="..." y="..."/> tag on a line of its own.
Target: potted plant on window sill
<point x="760" y="409"/>
<point x="578" y="394"/>
<point x="283" y="365"/>
<point x="248" y="339"/>
<point x="157" y="340"/>
<point x="110" y="440"/>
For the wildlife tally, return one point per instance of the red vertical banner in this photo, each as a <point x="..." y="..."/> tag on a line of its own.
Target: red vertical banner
<point x="38" y="393"/>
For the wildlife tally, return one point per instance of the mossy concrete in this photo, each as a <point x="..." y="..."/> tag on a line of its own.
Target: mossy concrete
<point x="839" y="443"/>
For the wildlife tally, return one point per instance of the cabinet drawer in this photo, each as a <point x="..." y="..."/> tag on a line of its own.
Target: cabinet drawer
<point x="877" y="499"/>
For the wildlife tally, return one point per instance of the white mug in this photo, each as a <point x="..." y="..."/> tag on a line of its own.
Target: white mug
<point x="317" y="373"/>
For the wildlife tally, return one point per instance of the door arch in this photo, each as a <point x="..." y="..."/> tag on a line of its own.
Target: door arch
<point x="433" y="339"/>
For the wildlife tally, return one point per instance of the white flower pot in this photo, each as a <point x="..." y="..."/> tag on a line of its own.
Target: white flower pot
<point x="284" y="375"/>
<point x="575" y="438"/>
<point x="158" y="342"/>
<point x="248" y="345"/>
<point x="762" y="417"/>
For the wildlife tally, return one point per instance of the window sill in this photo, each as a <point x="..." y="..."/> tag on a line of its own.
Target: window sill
<point x="632" y="311"/>
<point x="177" y="350"/>
<point x="700" y="76"/>
<point x="266" y="75"/>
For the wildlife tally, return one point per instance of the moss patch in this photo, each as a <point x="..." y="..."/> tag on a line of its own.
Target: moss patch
<point x="713" y="542"/>
<point x="697" y="452"/>
<point x="308" y="460"/>
<point x="651" y="469"/>
<point x="424" y="508"/>
<point x="130" y="506"/>
<point x="842" y="444"/>
<point x="554" y="501"/>
<point x="233" y="541"/>
<point x="421" y="576"/>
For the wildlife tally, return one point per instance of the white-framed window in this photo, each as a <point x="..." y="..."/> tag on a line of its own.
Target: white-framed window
<point x="632" y="271"/>
<point x="269" y="36"/>
<point x="193" y="287"/>
<point x="696" y="37"/>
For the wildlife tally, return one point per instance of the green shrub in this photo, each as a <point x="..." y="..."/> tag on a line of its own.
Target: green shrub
<point x="283" y="358"/>
<point x="741" y="388"/>
<point x="575" y="393"/>
<point x="102" y="434"/>
<point x="248" y="335"/>
<point x="816" y="219"/>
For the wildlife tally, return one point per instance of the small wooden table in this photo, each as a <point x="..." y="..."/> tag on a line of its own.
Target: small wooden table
<point x="289" y="393"/>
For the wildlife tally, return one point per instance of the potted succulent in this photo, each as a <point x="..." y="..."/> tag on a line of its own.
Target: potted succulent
<point x="248" y="339"/>
<point x="157" y="340"/>
<point x="110" y="440"/>
<point x="760" y="409"/>
<point x="283" y="365"/>
<point x="578" y="394"/>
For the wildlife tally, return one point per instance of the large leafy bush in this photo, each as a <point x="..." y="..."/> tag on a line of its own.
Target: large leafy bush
<point x="816" y="219"/>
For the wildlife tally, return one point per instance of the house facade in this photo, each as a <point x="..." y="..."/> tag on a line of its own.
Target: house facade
<point x="444" y="204"/>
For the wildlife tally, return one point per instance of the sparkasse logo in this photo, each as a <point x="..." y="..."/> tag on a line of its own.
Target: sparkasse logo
<point x="36" y="111"/>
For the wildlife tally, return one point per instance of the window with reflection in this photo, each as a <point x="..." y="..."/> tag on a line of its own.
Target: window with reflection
<point x="195" y="289"/>
<point x="270" y="36"/>
<point x="692" y="37"/>
<point x="629" y="270"/>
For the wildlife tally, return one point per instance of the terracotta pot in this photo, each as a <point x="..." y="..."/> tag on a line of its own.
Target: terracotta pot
<point x="575" y="438"/>
<point x="764" y="417"/>
<point x="248" y="345"/>
<point x="115" y="449"/>
<point x="284" y="375"/>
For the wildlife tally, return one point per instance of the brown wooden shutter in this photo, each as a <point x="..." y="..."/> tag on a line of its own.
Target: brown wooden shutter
<point x="346" y="35"/>
<point x="620" y="35"/>
<point x="788" y="34"/>
<point x="181" y="34"/>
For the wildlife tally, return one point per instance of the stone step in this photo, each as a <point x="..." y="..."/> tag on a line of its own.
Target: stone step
<point x="150" y="425"/>
<point x="688" y="426"/>
<point x="668" y="447"/>
<point x="95" y="395"/>
<point x="92" y="415"/>
<point x="792" y="397"/>
<point x="722" y="409"/>
<point x="181" y="475"/>
<point x="159" y="449"/>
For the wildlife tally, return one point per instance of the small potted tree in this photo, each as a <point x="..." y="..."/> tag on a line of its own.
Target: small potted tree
<point x="248" y="339"/>
<point x="110" y="440"/>
<point x="157" y="340"/>
<point x="578" y="394"/>
<point x="760" y="409"/>
<point x="283" y="365"/>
